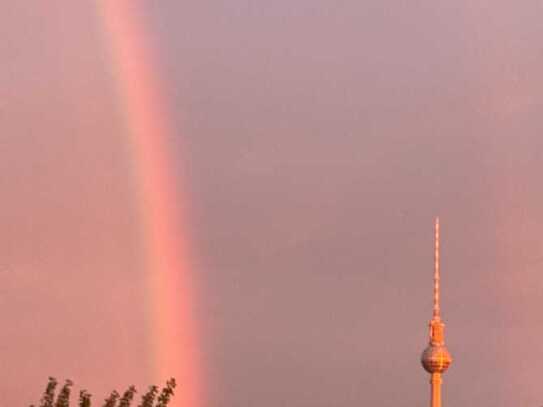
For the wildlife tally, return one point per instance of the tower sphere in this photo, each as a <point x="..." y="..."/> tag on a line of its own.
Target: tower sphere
<point x="436" y="359"/>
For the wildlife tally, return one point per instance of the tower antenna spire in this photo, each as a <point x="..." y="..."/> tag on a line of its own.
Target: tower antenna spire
<point x="436" y="313"/>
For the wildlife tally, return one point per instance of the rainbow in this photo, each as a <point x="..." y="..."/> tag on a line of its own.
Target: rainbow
<point x="173" y="329"/>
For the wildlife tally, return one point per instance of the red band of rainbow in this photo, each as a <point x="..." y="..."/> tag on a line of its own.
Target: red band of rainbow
<point x="174" y="334"/>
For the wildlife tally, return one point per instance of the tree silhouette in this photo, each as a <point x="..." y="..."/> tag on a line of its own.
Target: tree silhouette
<point x="63" y="399"/>
<point x="148" y="398"/>
<point x="84" y="399"/>
<point x="113" y="400"/>
<point x="166" y="394"/>
<point x="49" y="395"/>
<point x="127" y="397"/>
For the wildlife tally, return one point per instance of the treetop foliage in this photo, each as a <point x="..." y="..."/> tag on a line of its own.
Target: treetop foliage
<point x="151" y="398"/>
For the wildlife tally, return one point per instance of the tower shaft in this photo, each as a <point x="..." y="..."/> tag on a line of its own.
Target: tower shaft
<point x="435" y="390"/>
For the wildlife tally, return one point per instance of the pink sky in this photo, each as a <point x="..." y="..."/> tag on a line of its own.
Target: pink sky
<point x="316" y="141"/>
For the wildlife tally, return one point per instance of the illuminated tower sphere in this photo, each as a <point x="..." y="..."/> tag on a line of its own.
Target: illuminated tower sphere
<point x="436" y="358"/>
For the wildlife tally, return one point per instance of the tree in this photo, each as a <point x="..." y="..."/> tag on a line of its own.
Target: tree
<point x="148" y="398"/>
<point x="166" y="394"/>
<point x="63" y="399"/>
<point x="127" y="397"/>
<point x="84" y="399"/>
<point x="49" y="395"/>
<point x="113" y="400"/>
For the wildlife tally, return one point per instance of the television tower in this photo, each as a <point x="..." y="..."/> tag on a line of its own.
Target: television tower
<point x="436" y="358"/>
